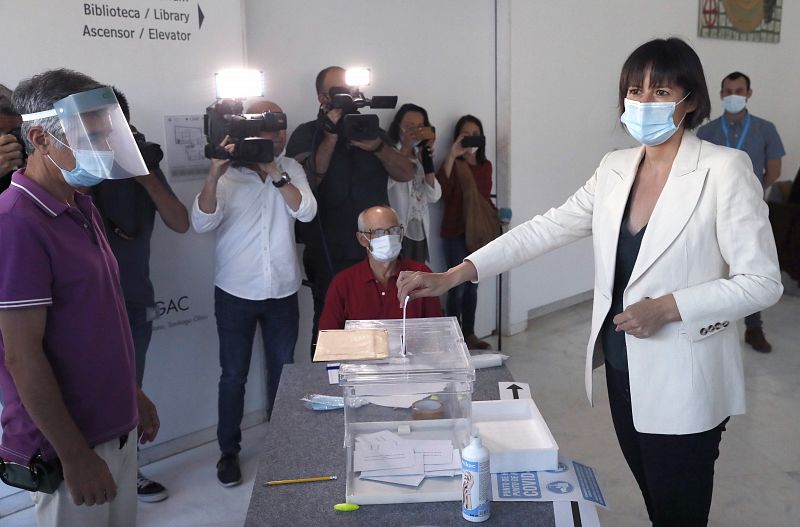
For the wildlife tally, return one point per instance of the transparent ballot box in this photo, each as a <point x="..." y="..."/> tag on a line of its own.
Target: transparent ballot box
<point x="408" y="416"/>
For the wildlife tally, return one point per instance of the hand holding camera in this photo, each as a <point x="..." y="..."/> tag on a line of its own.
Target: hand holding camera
<point x="219" y="165"/>
<point x="370" y="145"/>
<point x="11" y="155"/>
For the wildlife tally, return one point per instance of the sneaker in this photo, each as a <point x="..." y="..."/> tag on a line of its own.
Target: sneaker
<point x="149" y="491"/>
<point x="228" y="472"/>
<point x="474" y="343"/>
<point x="755" y="337"/>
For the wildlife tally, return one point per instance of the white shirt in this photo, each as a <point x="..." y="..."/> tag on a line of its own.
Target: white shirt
<point x="400" y="195"/>
<point x="255" y="252"/>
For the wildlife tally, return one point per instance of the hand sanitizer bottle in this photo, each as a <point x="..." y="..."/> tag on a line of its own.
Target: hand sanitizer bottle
<point x="476" y="481"/>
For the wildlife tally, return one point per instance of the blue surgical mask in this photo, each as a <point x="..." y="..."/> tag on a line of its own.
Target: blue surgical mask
<point x="91" y="166"/>
<point x="386" y="248"/>
<point x="734" y="103"/>
<point x="650" y="123"/>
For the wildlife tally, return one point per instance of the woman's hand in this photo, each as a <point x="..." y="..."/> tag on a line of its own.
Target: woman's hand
<point x="644" y="318"/>
<point x="457" y="150"/>
<point x="416" y="284"/>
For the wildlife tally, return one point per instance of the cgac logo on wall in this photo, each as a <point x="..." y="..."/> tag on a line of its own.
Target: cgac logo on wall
<point x="175" y="312"/>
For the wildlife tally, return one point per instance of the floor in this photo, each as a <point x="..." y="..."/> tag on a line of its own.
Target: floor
<point x="758" y="473"/>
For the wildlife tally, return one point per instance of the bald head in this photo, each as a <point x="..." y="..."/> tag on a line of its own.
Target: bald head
<point x="278" y="138"/>
<point x="377" y="218"/>
<point x="262" y="106"/>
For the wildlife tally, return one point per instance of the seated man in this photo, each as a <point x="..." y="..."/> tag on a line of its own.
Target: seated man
<point x="368" y="289"/>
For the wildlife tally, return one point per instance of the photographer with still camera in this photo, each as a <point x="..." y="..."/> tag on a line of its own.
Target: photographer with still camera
<point x="252" y="200"/>
<point x="414" y="137"/>
<point x="128" y="207"/>
<point x="12" y="153"/>
<point x="349" y="162"/>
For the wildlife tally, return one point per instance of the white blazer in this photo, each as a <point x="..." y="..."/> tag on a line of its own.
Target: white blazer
<point x="708" y="243"/>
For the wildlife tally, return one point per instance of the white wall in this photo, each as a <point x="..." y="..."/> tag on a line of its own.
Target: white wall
<point x="565" y="62"/>
<point x="439" y="55"/>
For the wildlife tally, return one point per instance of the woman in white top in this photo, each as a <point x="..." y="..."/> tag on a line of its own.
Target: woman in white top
<point x="412" y="134"/>
<point x="682" y="249"/>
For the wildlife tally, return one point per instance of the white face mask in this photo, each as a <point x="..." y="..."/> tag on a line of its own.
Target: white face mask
<point x="385" y="248"/>
<point x="734" y="103"/>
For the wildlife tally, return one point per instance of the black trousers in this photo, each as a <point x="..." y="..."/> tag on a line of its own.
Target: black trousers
<point x="675" y="472"/>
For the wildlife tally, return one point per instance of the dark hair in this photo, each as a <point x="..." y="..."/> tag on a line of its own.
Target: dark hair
<point x="5" y="101"/>
<point x="732" y="77"/>
<point x="324" y="73"/>
<point x="394" y="128"/>
<point x="41" y="92"/>
<point x="480" y="155"/>
<point x="123" y="103"/>
<point x="670" y="62"/>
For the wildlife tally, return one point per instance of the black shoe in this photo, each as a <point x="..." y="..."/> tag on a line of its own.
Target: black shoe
<point x="228" y="472"/>
<point x="149" y="491"/>
<point x="755" y="337"/>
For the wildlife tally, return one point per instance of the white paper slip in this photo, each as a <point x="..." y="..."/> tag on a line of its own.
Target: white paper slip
<point x="418" y="467"/>
<point x="410" y="481"/>
<point x="376" y="439"/>
<point x="442" y="473"/>
<point x="572" y="513"/>
<point x="379" y="460"/>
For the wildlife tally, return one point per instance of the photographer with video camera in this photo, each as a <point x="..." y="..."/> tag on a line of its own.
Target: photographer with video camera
<point x="128" y="208"/>
<point x="252" y="200"/>
<point x="12" y="154"/>
<point x="349" y="163"/>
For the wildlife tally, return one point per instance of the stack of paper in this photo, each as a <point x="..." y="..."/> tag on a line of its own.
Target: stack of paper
<point x="388" y="458"/>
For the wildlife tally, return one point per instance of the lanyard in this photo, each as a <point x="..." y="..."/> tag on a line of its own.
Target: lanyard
<point x="745" y="129"/>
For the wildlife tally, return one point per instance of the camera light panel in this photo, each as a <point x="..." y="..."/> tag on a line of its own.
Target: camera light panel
<point x="238" y="84"/>
<point x="357" y="76"/>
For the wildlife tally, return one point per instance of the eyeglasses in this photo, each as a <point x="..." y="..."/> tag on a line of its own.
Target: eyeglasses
<point x="377" y="233"/>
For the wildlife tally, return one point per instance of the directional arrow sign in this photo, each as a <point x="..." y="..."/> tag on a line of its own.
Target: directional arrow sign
<point x="514" y="390"/>
<point x="200" y="16"/>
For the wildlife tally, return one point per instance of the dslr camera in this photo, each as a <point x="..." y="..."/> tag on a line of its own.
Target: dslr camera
<point x="354" y="125"/>
<point x="226" y="117"/>
<point x="151" y="152"/>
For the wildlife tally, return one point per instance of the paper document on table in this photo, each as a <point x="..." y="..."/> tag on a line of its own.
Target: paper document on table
<point x="571" y="481"/>
<point x="383" y="457"/>
<point x="352" y="344"/>
<point x="412" y="480"/>
<point x="398" y="458"/>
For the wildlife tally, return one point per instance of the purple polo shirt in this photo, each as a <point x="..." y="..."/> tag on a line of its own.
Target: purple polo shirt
<point x="57" y="256"/>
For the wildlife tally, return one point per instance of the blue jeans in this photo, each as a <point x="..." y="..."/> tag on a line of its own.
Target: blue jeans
<point x="462" y="300"/>
<point x="236" y="326"/>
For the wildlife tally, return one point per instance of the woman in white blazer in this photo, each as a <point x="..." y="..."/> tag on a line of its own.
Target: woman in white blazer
<point x="684" y="249"/>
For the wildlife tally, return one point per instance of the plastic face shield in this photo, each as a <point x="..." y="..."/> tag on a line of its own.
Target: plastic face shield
<point x="93" y="122"/>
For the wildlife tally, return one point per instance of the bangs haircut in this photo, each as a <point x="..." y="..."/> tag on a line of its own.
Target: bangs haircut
<point x="670" y="62"/>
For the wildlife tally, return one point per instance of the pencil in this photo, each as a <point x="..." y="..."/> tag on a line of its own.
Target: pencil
<point x="298" y="480"/>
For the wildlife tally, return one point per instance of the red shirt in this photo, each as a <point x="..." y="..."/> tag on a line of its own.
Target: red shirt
<point x="355" y="294"/>
<point x="453" y="220"/>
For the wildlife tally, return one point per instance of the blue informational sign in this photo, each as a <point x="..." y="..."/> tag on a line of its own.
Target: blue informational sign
<point x="524" y="485"/>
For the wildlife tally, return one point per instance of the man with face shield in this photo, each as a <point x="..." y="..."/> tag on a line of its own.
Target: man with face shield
<point x="71" y="404"/>
<point x="368" y="289"/>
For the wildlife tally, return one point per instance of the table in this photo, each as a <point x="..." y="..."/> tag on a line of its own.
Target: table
<point x="306" y="443"/>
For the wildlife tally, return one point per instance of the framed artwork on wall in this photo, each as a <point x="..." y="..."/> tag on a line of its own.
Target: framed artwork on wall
<point x="745" y="20"/>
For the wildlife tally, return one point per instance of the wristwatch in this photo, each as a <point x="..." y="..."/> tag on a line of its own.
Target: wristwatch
<point x="282" y="181"/>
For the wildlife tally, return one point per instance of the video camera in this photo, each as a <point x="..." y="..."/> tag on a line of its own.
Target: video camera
<point x="226" y="117"/>
<point x="13" y="123"/>
<point x="354" y="125"/>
